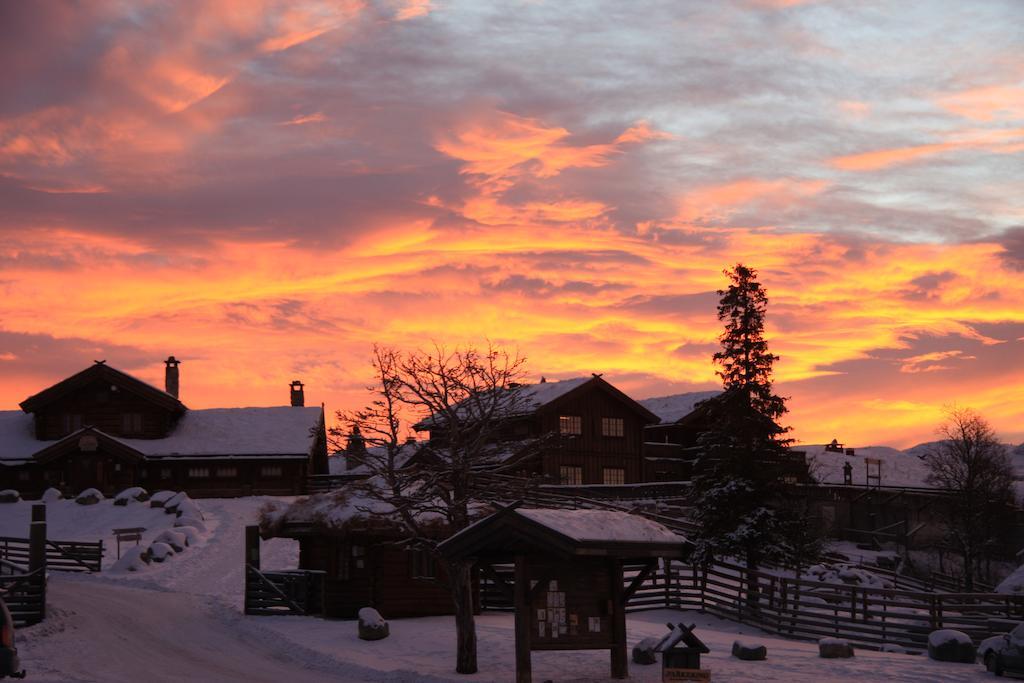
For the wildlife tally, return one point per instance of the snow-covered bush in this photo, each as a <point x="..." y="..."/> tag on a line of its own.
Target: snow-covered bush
<point x="134" y="559"/>
<point x="160" y="498"/>
<point x="51" y="494"/>
<point x="158" y="552"/>
<point x="948" y="645"/>
<point x="135" y="493"/>
<point x="174" y="538"/>
<point x="9" y="496"/>
<point x="1014" y="583"/>
<point x="172" y="503"/>
<point x="834" y="648"/>
<point x="89" y="497"/>
<point x="372" y="625"/>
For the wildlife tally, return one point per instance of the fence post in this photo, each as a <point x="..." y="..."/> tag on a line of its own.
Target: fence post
<point x="37" y="545"/>
<point x="668" y="583"/>
<point x="39" y="512"/>
<point x="252" y="559"/>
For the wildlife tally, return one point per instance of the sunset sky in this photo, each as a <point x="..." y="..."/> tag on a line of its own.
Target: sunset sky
<point x="265" y="189"/>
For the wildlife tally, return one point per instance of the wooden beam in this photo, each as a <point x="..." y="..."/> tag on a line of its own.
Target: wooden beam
<point x="524" y="669"/>
<point x="639" y="579"/>
<point x="620" y="666"/>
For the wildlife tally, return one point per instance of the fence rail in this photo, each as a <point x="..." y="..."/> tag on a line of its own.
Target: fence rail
<point x="25" y="596"/>
<point x="68" y="556"/>
<point x="808" y="609"/>
<point x="283" y="592"/>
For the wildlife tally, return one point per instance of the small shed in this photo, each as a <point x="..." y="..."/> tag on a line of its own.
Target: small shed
<point x="569" y="590"/>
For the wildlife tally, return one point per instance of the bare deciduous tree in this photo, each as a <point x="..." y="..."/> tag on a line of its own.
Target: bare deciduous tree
<point x="465" y="398"/>
<point x="971" y="463"/>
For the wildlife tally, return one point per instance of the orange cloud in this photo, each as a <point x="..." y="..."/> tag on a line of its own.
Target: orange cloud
<point x="412" y="9"/>
<point x="718" y="201"/>
<point x="992" y="103"/>
<point x="998" y="141"/>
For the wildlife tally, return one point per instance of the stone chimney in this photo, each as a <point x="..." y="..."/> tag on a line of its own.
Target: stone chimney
<point x="298" y="395"/>
<point x="355" y="449"/>
<point x="171" y="376"/>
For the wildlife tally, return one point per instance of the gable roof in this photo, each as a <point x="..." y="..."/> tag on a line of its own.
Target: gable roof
<point x="277" y="431"/>
<point x="593" y="533"/>
<point x="72" y="442"/>
<point x="677" y="406"/>
<point x="106" y="373"/>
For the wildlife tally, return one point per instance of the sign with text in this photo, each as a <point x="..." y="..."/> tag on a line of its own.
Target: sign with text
<point x="675" y="675"/>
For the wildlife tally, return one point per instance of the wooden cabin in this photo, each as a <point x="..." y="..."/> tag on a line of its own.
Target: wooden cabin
<point x="669" y="448"/>
<point x="592" y="433"/>
<point x="103" y="428"/>
<point x="365" y="557"/>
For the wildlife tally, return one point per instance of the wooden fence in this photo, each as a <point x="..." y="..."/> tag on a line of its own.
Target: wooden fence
<point x="25" y="596"/>
<point x="283" y="592"/>
<point x="68" y="556"/>
<point x="810" y="609"/>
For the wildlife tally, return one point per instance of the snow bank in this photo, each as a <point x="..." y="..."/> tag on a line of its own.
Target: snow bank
<point x="1014" y="583"/>
<point x="9" y="496"/>
<point x="898" y="468"/>
<point x="160" y="498"/>
<point x="158" y="552"/>
<point x="132" y="560"/>
<point x="174" y="538"/>
<point x="89" y="497"/>
<point x="133" y="494"/>
<point x="51" y="494"/>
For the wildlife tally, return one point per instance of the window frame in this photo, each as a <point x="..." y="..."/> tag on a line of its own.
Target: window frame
<point x="271" y="471"/>
<point x="422" y="565"/>
<point x="565" y="470"/>
<point x="199" y="472"/>
<point x="570" y="425"/>
<point x="621" y="476"/>
<point x="610" y="425"/>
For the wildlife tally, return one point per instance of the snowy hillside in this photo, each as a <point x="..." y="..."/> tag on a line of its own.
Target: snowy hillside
<point x="898" y="468"/>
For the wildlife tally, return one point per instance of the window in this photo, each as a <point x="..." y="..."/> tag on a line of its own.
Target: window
<point x="349" y="557"/>
<point x="227" y="472"/>
<point x="614" y="475"/>
<point x="423" y="565"/>
<point x="570" y="424"/>
<point x="612" y="426"/>
<point x="131" y="423"/>
<point x="71" y="423"/>
<point x="570" y="474"/>
<point x="198" y="472"/>
<point x="165" y="472"/>
<point x="271" y="471"/>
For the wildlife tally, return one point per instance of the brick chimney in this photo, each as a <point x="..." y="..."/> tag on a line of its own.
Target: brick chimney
<point x="171" y="376"/>
<point x="298" y="395"/>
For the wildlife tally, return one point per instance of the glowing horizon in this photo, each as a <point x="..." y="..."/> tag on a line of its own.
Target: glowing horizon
<point x="265" y="190"/>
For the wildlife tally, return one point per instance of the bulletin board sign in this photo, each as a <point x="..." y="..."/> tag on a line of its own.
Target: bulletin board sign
<point x="570" y="606"/>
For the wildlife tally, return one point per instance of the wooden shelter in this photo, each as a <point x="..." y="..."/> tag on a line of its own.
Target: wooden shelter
<point x="569" y="590"/>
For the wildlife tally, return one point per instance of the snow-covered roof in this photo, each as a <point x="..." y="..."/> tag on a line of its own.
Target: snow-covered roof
<point x="543" y="393"/>
<point x="18" y="436"/>
<point x="611" y="526"/>
<point x="337" y="463"/>
<point x="283" y="430"/>
<point x="676" y="406"/>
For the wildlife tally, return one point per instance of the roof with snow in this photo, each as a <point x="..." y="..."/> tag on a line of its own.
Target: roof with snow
<point x="283" y="430"/>
<point x="101" y="371"/>
<point x="676" y="406"/>
<point x="593" y="533"/>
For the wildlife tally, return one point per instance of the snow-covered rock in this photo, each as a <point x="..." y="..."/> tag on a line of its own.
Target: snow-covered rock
<point x="1014" y="583"/>
<point x="372" y="625"/>
<point x="751" y="652"/>
<point x="89" y="497"/>
<point x="190" y="533"/>
<point x="948" y="645"/>
<point x="893" y="647"/>
<point x="172" y="503"/>
<point x="158" y="552"/>
<point x="51" y="494"/>
<point x="160" y="498"/>
<point x="643" y="652"/>
<point x="133" y="559"/>
<point x="189" y="508"/>
<point x="174" y="538"/>
<point x="135" y="493"/>
<point x="9" y="496"/>
<point x="193" y="522"/>
<point x="834" y="648"/>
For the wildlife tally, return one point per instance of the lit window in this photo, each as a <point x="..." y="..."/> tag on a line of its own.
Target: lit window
<point x="198" y="472"/>
<point x="570" y="424"/>
<point x="271" y="471"/>
<point x="227" y="472"/>
<point x="424" y="566"/>
<point x="570" y="474"/>
<point x="614" y="475"/>
<point x="612" y="426"/>
<point x="131" y="423"/>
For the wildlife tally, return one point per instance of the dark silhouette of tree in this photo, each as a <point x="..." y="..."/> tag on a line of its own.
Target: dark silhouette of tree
<point x="738" y="488"/>
<point x="971" y="463"/>
<point x="465" y="397"/>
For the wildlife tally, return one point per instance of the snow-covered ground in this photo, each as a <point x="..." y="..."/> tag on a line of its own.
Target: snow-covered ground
<point x="182" y="620"/>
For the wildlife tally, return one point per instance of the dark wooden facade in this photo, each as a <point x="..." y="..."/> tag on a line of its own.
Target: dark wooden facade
<point x="95" y="427"/>
<point x="592" y="434"/>
<point x="373" y="569"/>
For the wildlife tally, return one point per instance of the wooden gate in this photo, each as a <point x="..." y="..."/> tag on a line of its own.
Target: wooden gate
<point x="25" y="595"/>
<point x="283" y="592"/>
<point x="67" y="556"/>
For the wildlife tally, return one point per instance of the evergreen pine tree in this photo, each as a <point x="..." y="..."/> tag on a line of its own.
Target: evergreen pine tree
<point x="737" y="483"/>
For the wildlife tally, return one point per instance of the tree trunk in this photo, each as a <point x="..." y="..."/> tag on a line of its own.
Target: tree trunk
<point x="465" y="623"/>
